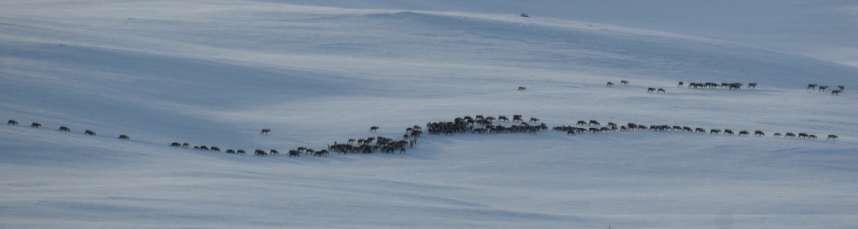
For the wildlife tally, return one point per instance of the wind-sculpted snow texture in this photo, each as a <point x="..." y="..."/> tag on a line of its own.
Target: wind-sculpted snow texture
<point x="217" y="72"/>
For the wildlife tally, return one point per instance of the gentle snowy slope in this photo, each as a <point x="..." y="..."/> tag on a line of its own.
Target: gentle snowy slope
<point x="215" y="72"/>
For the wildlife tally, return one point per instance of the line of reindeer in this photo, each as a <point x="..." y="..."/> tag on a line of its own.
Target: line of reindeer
<point x="364" y="145"/>
<point x="648" y="90"/>
<point x="478" y="124"/>
<point x="593" y="126"/>
<point x="481" y="124"/>
<point x="64" y="129"/>
<point x="823" y="88"/>
<point x="712" y="85"/>
<point x="733" y="86"/>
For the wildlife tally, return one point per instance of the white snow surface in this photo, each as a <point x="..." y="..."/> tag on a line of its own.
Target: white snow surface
<point x="215" y="72"/>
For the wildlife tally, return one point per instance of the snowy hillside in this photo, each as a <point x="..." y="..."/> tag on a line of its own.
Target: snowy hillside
<point x="315" y="72"/>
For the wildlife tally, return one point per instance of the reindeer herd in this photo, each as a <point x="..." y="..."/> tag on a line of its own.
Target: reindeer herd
<point x="364" y="145"/>
<point x="481" y="124"/>
<point x="594" y="127"/>
<point x="714" y="85"/>
<point x="731" y="86"/>
<point x="37" y="125"/>
<point x="823" y="88"/>
<point x="477" y="124"/>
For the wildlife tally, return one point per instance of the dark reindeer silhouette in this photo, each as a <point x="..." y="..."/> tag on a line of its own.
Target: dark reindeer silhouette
<point x="89" y="132"/>
<point x="64" y="129"/>
<point x="265" y="131"/>
<point x="12" y="122"/>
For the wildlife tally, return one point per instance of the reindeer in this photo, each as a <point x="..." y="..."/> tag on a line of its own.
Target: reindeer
<point x="832" y="137"/>
<point x="35" y="125"/>
<point x="610" y="84"/>
<point x="230" y="151"/>
<point x="265" y="131"/>
<point x="823" y="88"/>
<point x="734" y="86"/>
<point x="64" y="129"/>
<point x="661" y="90"/>
<point x="836" y="92"/>
<point x="260" y="152"/>
<point x="650" y="90"/>
<point x="12" y="122"/>
<point x="124" y="137"/>
<point x="320" y="153"/>
<point x="373" y="129"/>
<point x="624" y="82"/>
<point x="752" y="85"/>
<point x="89" y="132"/>
<point x="680" y="84"/>
<point x="759" y="133"/>
<point x="175" y="144"/>
<point x="811" y="86"/>
<point x="521" y="88"/>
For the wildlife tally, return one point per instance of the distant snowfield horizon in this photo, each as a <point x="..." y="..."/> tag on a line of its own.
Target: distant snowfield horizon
<point x="315" y="72"/>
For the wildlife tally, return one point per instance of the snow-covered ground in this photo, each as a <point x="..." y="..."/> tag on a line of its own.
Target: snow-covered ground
<point x="215" y="72"/>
